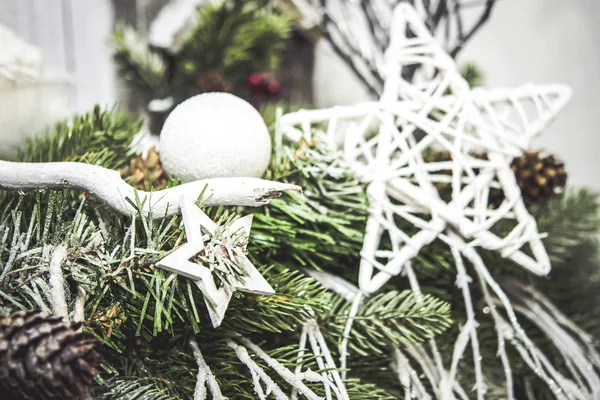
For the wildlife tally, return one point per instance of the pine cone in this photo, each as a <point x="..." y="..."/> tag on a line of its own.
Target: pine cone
<point x="212" y="81"/>
<point x="540" y="178"/>
<point x="139" y="168"/>
<point x="45" y="357"/>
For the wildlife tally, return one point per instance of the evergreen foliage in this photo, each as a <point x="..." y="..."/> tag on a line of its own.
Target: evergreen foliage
<point x="472" y="74"/>
<point x="143" y="315"/>
<point x="230" y="40"/>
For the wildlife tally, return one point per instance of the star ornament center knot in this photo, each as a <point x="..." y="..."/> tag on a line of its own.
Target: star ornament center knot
<point x="214" y="257"/>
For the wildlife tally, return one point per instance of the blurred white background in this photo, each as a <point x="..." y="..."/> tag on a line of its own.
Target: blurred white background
<point x="539" y="41"/>
<point x="551" y="41"/>
<point x="72" y="35"/>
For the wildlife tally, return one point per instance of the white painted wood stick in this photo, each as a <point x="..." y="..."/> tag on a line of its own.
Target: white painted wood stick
<point x="107" y="185"/>
<point x="57" y="282"/>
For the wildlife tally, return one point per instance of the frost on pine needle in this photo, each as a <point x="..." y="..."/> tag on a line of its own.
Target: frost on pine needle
<point x="222" y="250"/>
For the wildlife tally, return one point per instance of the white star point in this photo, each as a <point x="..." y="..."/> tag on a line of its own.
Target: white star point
<point x="217" y="299"/>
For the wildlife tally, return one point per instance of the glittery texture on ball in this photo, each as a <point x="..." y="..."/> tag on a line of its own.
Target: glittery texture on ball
<point x="214" y="135"/>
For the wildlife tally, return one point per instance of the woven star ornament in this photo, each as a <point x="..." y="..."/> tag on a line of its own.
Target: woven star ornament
<point x="212" y="250"/>
<point x="427" y="106"/>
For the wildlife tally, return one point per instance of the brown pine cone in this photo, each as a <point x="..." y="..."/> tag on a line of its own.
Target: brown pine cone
<point x="212" y="81"/>
<point x="539" y="177"/>
<point x="45" y="357"/>
<point x="139" y="168"/>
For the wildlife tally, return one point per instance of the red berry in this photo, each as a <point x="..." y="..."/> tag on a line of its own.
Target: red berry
<point x="274" y="87"/>
<point x="256" y="79"/>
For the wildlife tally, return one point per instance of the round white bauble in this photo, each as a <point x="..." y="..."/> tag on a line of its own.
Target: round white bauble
<point x="214" y="135"/>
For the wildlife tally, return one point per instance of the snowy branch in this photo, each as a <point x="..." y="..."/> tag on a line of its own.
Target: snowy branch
<point x="57" y="282"/>
<point x="205" y="376"/>
<point x="108" y="186"/>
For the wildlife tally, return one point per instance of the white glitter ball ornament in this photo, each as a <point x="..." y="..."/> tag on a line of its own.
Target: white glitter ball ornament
<point x="214" y="135"/>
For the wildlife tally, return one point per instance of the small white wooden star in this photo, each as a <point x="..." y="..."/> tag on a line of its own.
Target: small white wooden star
<point x="197" y="226"/>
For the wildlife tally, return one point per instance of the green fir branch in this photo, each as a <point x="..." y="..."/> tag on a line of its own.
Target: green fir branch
<point x="142" y="68"/>
<point x="389" y="318"/>
<point x="322" y="227"/>
<point x="473" y="74"/>
<point x="100" y="137"/>
<point x="568" y="222"/>
<point x="232" y="39"/>
<point x="297" y="299"/>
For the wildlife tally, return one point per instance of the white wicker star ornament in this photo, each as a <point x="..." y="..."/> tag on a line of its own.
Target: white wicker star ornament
<point x="428" y="108"/>
<point x="386" y="143"/>
<point x="197" y="225"/>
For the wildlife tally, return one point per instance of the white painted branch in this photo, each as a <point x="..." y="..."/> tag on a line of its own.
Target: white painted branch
<point x="462" y="281"/>
<point x="419" y="354"/>
<point x="107" y="185"/>
<point x="79" y="309"/>
<point x="300" y="362"/>
<point x="57" y="282"/>
<point x="343" y="347"/>
<point x="501" y="328"/>
<point x="296" y="380"/>
<point x="334" y="283"/>
<point x="324" y="359"/>
<point x="205" y="375"/>
<point x="258" y="374"/>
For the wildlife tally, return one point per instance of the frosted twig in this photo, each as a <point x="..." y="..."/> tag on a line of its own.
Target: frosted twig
<point x="205" y="376"/>
<point x="57" y="282"/>
<point x="563" y="320"/>
<point x="258" y="373"/>
<point x="435" y="372"/>
<point x="321" y="350"/>
<point x="79" y="309"/>
<point x="346" y="335"/>
<point x="295" y="380"/>
<point x="334" y="283"/>
<point x="310" y="332"/>
<point x="408" y="377"/>
<point x="582" y="364"/>
<point x="108" y="186"/>
<point x="485" y="275"/>
<point x="437" y="358"/>
<point x="420" y="355"/>
<point x="502" y="329"/>
<point x="536" y="360"/>
<point x="573" y="355"/>
<point x="300" y="361"/>
<point x="414" y="283"/>
<point x="463" y="281"/>
<point x="540" y="371"/>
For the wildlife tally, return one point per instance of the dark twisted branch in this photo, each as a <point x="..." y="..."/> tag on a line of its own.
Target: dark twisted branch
<point x="347" y="51"/>
<point x="485" y="15"/>
<point x="440" y="13"/>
